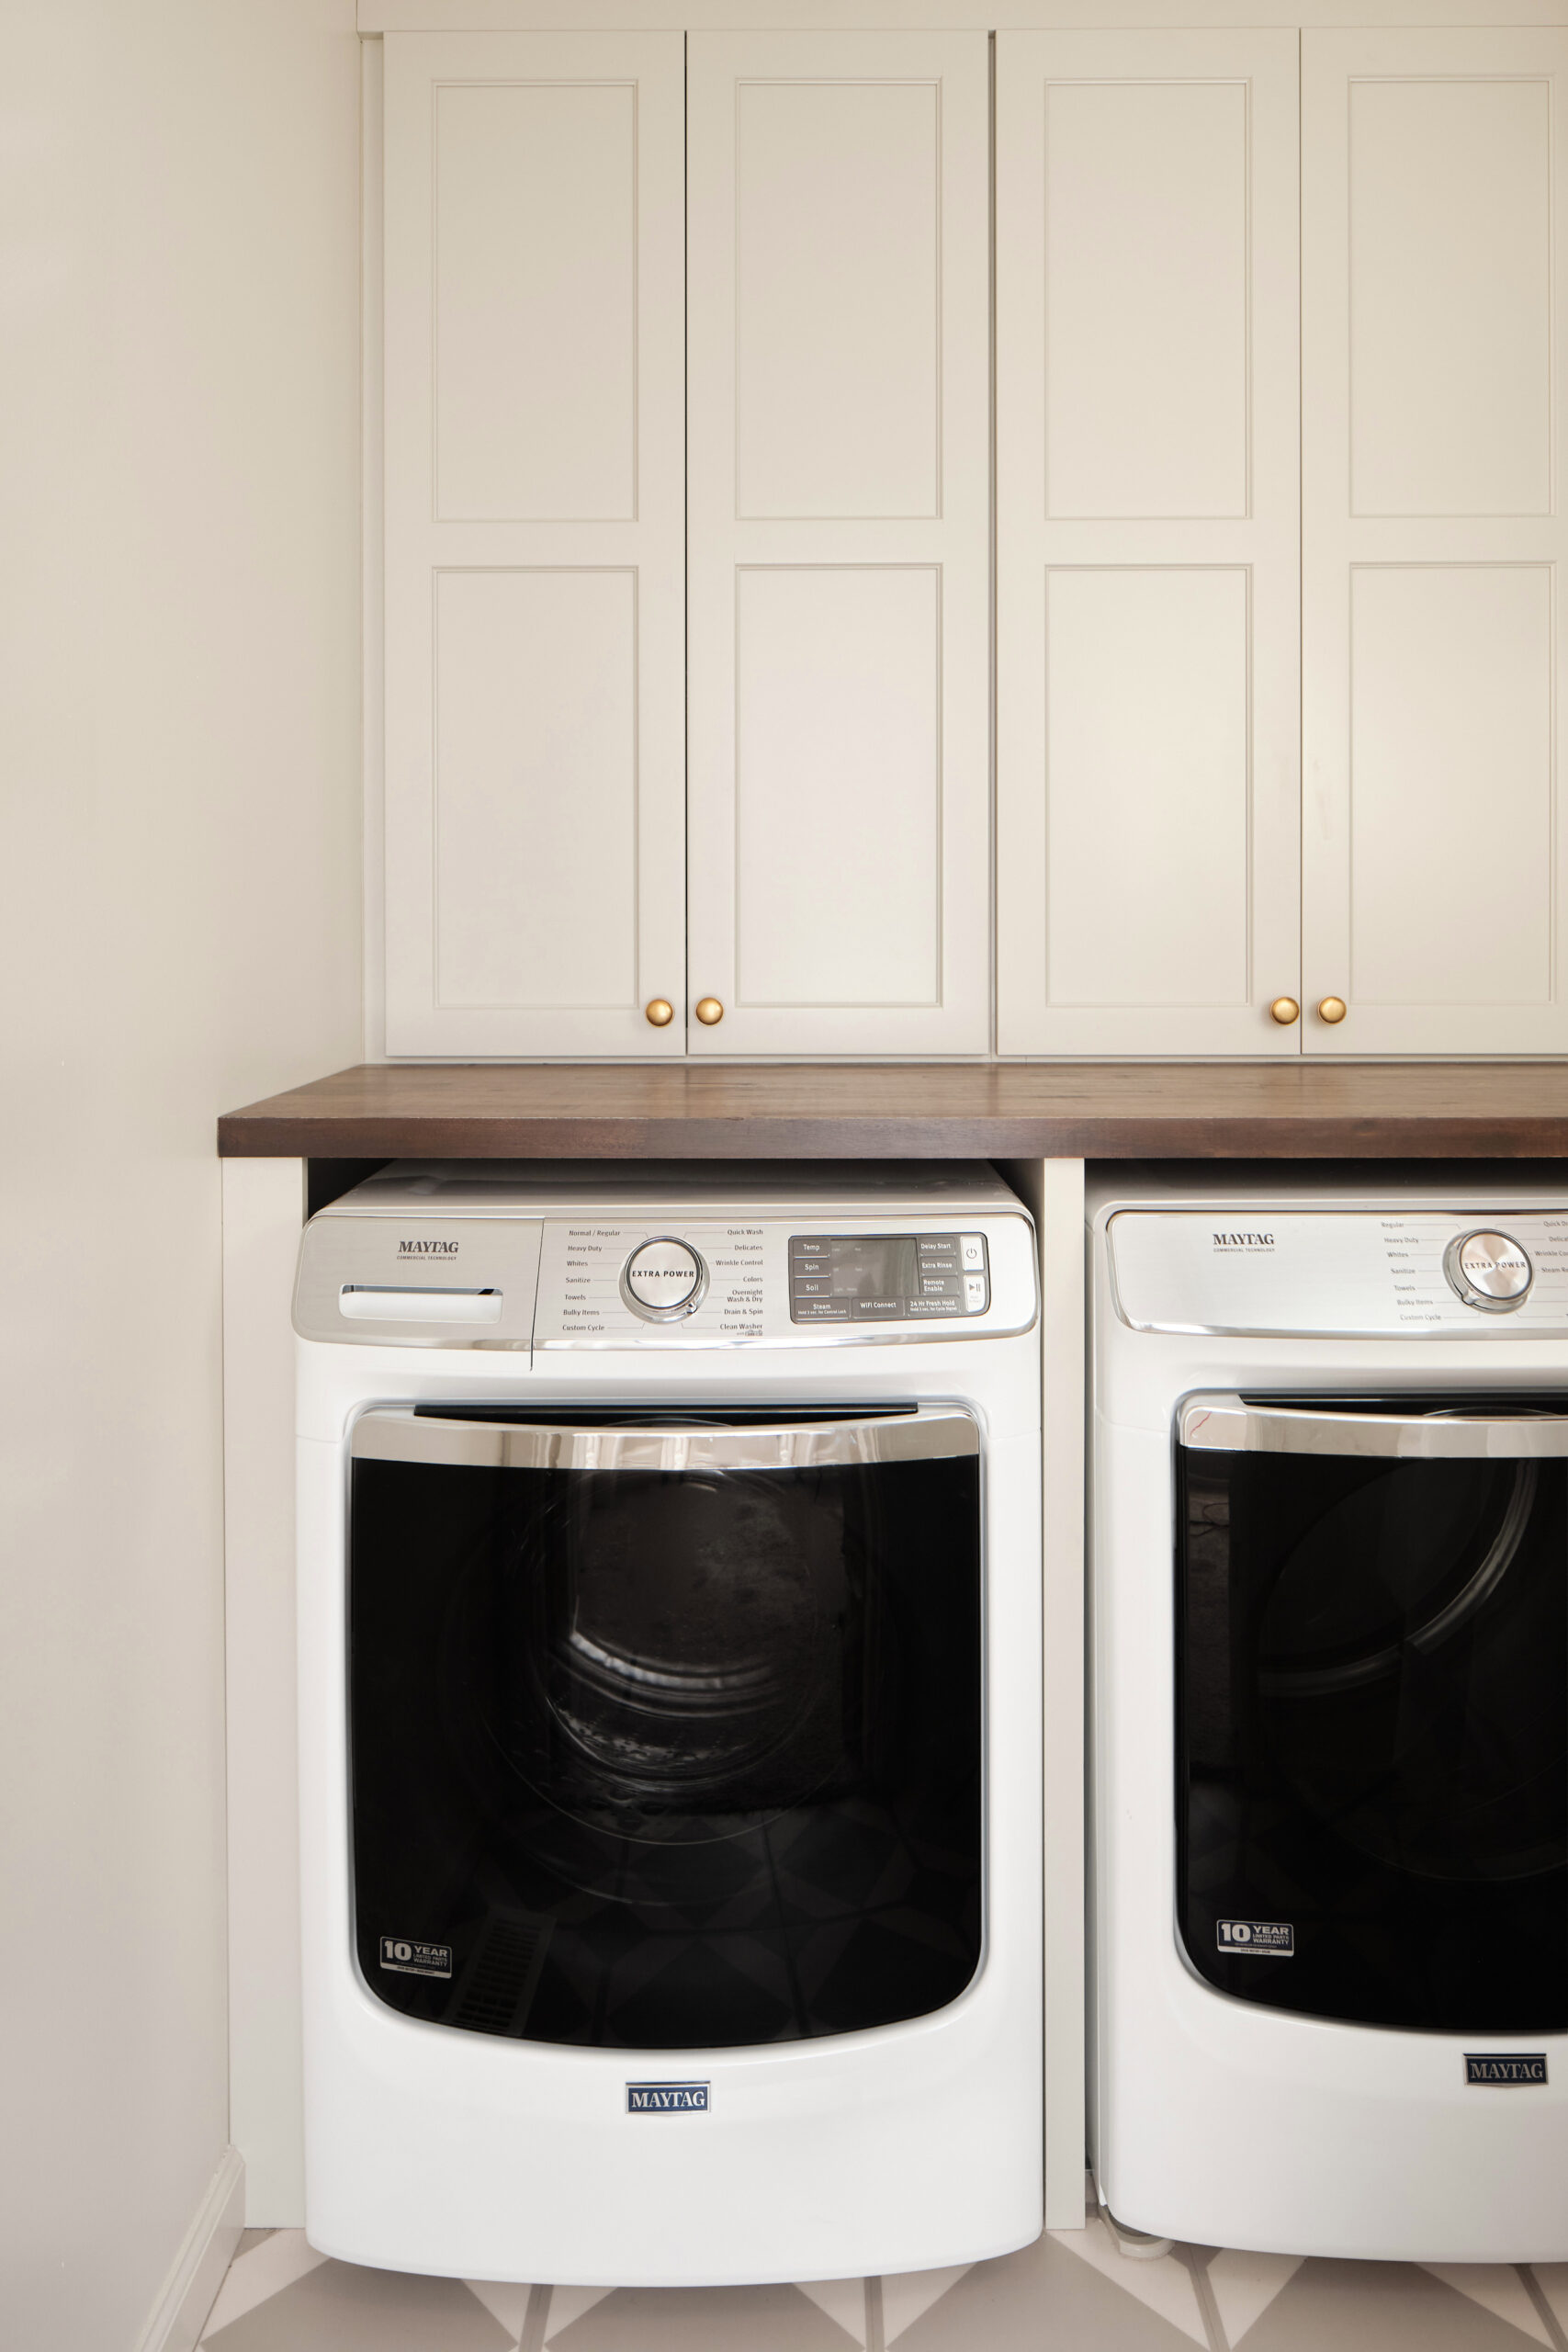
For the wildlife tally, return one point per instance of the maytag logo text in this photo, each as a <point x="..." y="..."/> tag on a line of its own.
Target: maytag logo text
<point x="667" y="2098"/>
<point x="427" y="1249"/>
<point x="1504" y="2066"/>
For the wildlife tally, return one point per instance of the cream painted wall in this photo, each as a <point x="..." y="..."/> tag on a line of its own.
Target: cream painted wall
<point x="179" y="931"/>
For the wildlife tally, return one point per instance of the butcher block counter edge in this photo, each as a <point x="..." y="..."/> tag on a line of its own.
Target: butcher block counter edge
<point x="914" y="1111"/>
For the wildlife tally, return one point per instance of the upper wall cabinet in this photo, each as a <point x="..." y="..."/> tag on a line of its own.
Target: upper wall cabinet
<point x="1435" y="243"/>
<point x="839" y="549"/>
<point x="535" y="528"/>
<point x="1147" y="511"/>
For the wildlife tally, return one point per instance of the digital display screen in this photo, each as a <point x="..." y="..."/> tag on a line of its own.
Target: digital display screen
<point x="886" y="1277"/>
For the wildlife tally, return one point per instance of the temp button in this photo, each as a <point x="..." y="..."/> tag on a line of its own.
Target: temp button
<point x="663" y="1280"/>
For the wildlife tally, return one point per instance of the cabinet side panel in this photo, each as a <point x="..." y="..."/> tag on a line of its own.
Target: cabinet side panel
<point x="263" y="1209"/>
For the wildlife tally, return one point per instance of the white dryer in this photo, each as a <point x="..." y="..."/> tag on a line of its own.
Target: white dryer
<point x="1330" y="1699"/>
<point x="670" y="1722"/>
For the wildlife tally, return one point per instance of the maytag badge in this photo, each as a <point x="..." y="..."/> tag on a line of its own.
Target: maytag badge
<point x="1256" y="1938"/>
<point x="1505" y="2068"/>
<point x="407" y="1958"/>
<point x="667" y="2098"/>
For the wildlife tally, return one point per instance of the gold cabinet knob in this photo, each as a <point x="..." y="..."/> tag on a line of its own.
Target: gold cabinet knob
<point x="660" y="1012"/>
<point x="1284" y="1009"/>
<point x="1331" y="1009"/>
<point x="710" y="1010"/>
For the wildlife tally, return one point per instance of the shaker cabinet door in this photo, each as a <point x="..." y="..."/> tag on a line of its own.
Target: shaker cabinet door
<point x="839" y="549"/>
<point x="1434" y="306"/>
<point x="1147" y="543"/>
<point x="534" y="528"/>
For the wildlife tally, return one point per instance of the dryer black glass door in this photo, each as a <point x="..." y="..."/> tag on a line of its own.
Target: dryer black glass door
<point x="1372" y="1717"/>
<point x="666" y="1736"/>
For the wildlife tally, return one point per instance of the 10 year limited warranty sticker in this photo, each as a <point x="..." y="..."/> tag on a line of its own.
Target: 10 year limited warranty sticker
<point x="1256" y="1938"/>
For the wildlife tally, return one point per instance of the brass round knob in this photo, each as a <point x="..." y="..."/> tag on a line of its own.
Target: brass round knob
<point x="1331" y="1009"/>
<point x="660" y="1012"/>
<point x="1284" y="1009"/>
<point x="710" y="1010"/>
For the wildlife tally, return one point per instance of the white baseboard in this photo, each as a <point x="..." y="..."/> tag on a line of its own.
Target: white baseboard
<point x="175" y="2321"/>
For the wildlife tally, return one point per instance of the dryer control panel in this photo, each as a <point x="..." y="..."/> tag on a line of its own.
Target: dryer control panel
<point x="1348" y="1272"/>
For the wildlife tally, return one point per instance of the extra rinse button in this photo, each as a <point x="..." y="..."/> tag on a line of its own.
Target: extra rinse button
<point x="1488" y="1270"/>
<point x="663" y="1280"/>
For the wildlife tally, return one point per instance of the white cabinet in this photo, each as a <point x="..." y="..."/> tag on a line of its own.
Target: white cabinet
<point x="688" y="542"/>
<point x="534" y="542"/>
<point x="1434" y="311"/>
<point x="1147" y="558"/>
<point x="537" y="415"/>
<point x="838" y="547"/>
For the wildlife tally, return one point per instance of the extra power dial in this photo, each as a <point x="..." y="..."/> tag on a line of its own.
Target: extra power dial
<point x="663" y="1280"/>
<point x="1488" y="1270"/>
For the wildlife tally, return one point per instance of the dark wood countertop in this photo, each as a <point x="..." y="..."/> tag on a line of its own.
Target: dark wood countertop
<point x="914" y="1111"/>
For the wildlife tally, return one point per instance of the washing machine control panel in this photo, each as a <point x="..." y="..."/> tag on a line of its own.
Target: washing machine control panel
<point x="663" y="1277"/>
<point x="769" y="1282"/>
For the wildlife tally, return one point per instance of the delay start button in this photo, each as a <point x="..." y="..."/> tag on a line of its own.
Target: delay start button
<point x="1488" y="1270"/>
<point x="663" y="1280"/>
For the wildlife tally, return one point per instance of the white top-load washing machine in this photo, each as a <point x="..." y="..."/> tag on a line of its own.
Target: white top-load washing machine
<point x="1330" y="1694"/>
<point x="669" y="1721"/>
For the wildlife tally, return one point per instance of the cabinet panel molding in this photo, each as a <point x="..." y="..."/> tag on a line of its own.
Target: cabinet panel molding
<point x="1451" y="895"/>
<point x="1449" y="203"/>
<point x="1146" y="295"/>
<point x="838" y="388"/>
<point x="838" y="774"/>
<point x="535" y="541"/>
<point x="535" y="200"/>
<point x="1434" y="237"/>
<point x="1147" y="844"/>
<point x="1147" y="542"/>
<point x="536" y="789"/>
<point x="838" y="287"/>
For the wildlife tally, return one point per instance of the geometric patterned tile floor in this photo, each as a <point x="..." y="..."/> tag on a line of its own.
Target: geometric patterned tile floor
<point x="1073" y="2290"/>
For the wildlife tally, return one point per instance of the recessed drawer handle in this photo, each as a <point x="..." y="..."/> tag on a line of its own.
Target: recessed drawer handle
<point x="384" y="1302"/>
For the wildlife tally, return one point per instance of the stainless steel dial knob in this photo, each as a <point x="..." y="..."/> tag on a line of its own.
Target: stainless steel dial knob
<point x="663" y="1280"/>
<point x="1488" y="1270"/>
